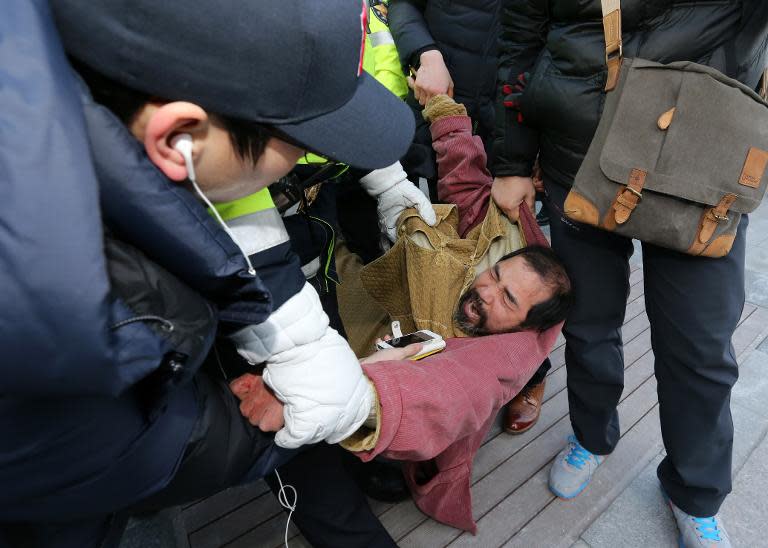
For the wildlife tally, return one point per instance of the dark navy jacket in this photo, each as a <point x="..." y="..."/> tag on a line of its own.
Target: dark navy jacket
<point x="95" y="402"/>
<point x="466" y="33"/>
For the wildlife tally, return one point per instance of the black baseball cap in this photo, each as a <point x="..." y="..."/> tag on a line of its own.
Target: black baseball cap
<point x="292" y="64"/>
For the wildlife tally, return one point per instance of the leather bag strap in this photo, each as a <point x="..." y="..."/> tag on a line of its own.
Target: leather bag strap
<point x="614" y="51"/>
<point x="627" y="200"/>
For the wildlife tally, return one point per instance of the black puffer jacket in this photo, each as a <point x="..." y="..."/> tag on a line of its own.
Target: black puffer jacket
<point x="561" y="44"/>
<point x="466" y="33"/>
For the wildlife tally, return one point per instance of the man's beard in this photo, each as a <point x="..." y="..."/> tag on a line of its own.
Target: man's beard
<point x="478" y="328"/>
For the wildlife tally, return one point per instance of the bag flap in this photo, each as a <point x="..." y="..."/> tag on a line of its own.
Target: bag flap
<point x="715" y="144"/>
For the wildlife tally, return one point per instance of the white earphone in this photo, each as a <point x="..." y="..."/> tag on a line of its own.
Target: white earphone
<point x="183" y="144"/>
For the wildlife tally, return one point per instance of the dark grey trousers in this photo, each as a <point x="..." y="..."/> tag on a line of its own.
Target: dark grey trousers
<point x="225" y="450"/>
<point x="693" y="305"/>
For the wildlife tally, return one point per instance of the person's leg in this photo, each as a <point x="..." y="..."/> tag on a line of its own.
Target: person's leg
<point x="78" y="534"/>
<point x="221" y="451"/>
<point x="541" y="373"/>
<point x="225" y="450"/>
<point x="694" y="304"/>
<point x="597" y="263"/>
<point x="331" y="511"/>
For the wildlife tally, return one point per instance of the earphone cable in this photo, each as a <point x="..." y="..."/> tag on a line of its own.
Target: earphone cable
<point x="191" y="177"/>
<point x="282" y="498"/>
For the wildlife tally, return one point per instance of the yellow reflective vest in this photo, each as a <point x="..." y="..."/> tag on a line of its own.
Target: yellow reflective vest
<point x="380" y="59"/>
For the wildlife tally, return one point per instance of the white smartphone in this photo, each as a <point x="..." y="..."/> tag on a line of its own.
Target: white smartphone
<point x="432" y="343"/>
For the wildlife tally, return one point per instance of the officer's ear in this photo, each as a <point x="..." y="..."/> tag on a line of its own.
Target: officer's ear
<point x="163" y="122"/>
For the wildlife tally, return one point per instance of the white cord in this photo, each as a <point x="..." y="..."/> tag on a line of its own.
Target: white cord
<point x="282" y="498"/>
<point x="191" y="176"/>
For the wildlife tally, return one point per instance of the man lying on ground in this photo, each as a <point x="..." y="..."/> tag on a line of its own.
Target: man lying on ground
<point x="420" y="280"/>
<point x="435" y="413"/>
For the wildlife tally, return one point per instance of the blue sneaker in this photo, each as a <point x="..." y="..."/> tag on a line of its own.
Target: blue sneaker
<point x="572" y="469"/>
<point x="699" y="532"/>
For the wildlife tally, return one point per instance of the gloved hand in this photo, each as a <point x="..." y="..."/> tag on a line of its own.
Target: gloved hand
<point x="513" y="93"/>
<point x="395" y="193"/>
<point x="311" y="369"/>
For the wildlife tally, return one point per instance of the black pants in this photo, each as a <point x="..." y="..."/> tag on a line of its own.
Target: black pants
<point x="224" y="451"/>
<point x="331" y="511"/>
<point x="693" y="304"/>
<point x="335" y="512"/>
<point x="540" y="374"/>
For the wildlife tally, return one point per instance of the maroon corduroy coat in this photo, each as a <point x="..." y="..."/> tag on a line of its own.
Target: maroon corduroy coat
<point x="437" y="411"/>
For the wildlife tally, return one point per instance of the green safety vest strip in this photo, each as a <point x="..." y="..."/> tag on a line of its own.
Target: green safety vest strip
<point x="258" y="201"/>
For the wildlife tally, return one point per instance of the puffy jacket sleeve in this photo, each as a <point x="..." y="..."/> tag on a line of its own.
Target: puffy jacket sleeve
<point x="463" y="178"/>
<point x="523" y="32"/>
<point x="409" y="29"/>
<point x="54" y="337"/>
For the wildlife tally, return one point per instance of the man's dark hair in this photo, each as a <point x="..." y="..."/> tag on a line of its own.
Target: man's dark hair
<point x="545" y="262"/>
<point x="248" y="138"/>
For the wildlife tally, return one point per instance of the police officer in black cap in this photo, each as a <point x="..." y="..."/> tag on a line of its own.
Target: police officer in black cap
<point x="222" y="97"/>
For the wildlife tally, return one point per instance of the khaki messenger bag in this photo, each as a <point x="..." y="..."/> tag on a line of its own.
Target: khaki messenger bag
<point x="679" y="155"/>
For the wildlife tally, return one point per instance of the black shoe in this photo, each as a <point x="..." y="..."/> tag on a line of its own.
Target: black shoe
<point x="542" y="218"/>
<point x="380" y="479"/>
<point x="383" y="481"/>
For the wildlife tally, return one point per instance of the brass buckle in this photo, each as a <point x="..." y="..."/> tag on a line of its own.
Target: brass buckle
<point x="720" y="218"/>
<point x="635" y="192"/>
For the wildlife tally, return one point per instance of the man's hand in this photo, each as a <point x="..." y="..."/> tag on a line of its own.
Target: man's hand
<point x="391" y="354"/>
<point x="257" y="403"/>
<point x="510" y="192"/>
<point x="432" y="78"/>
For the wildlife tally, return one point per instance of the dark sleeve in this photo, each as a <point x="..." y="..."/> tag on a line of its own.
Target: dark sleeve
<point x="54" y="336"/>
<point x="523" y="33"/>
<point x="410" y="31"/>
<point x="279" y="269"/>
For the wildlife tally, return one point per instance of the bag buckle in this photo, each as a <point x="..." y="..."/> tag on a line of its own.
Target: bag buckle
<point x="635" y="192"/>
<point x="713" y="216"/>
<point x="625" y="204"/>
<point x="615" y="53"/>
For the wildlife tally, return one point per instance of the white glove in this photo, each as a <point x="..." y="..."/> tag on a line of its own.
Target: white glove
<point x="311" y="369"/>
<point x="396" y="193"/>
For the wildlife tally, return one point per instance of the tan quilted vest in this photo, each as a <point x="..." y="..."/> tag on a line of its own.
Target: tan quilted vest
<point x="440" y="267"/>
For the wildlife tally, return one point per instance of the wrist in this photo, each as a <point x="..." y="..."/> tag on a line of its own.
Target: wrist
<point x="431" y="57"/>
<point x="381" y="180"/>
<point x="514" y="179"/>
<point x="415" y="58"/>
